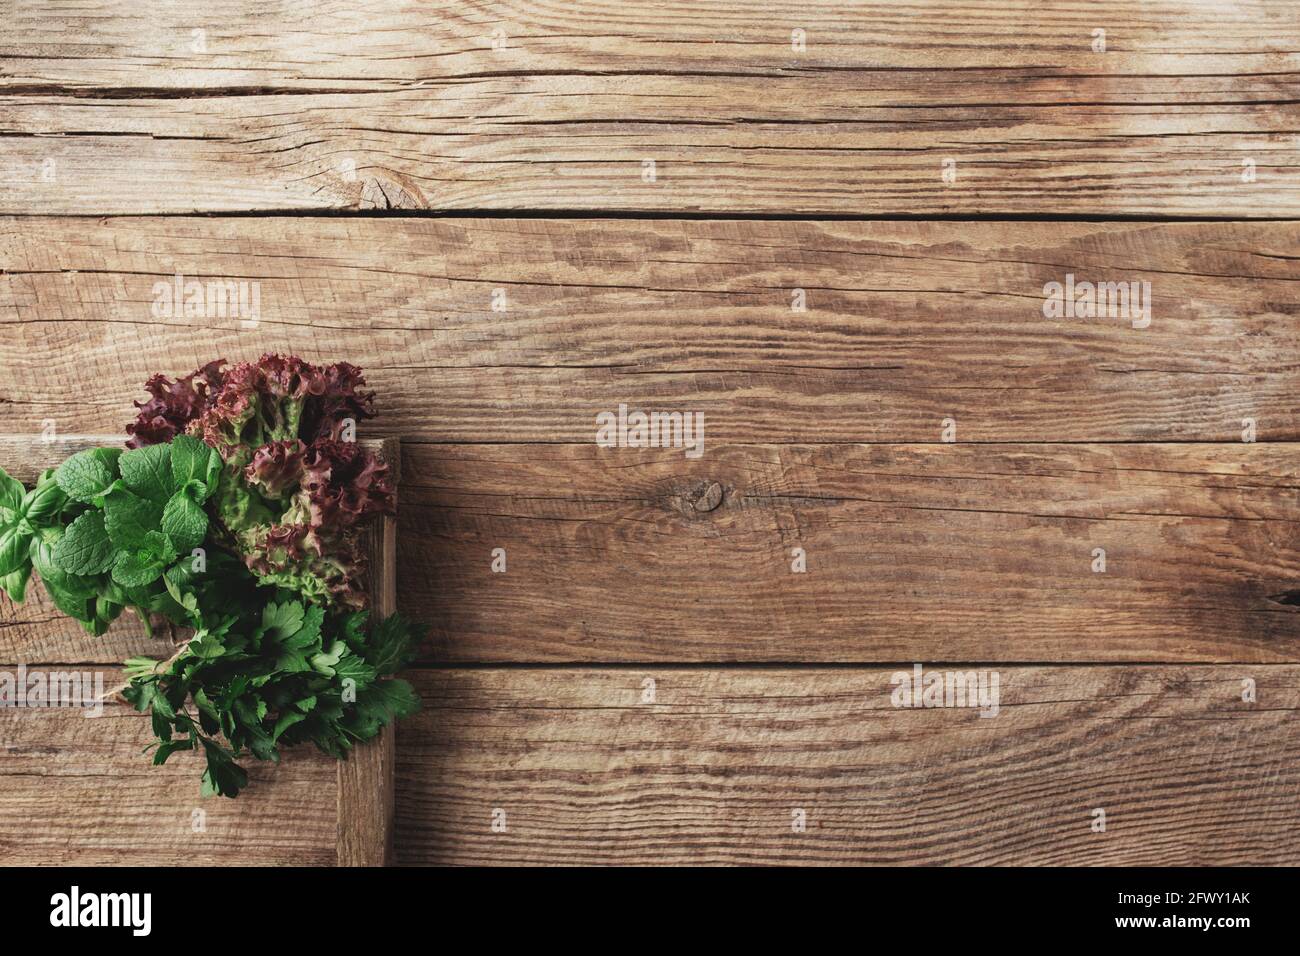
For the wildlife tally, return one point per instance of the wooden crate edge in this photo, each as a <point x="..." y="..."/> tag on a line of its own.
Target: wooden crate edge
<point x="366" y="779"/>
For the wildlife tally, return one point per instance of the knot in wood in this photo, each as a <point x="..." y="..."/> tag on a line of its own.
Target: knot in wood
<point x="707" y="497"/>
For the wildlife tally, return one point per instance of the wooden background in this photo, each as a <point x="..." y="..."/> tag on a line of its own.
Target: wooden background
<point x="384" y="170"/>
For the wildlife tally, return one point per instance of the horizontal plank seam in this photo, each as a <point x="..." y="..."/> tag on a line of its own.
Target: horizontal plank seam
<point x="745" y="665"/>
<point x="659" y="215"/>
<point x="773" y="443"/>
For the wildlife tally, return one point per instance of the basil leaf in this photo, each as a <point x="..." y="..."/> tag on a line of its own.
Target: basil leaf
<point x="14" y="583"/>
<point x="14" y="544"/>
<point x="11" y="491"/>
<point x="70" y="604"/>
<point x="44" y="502"/>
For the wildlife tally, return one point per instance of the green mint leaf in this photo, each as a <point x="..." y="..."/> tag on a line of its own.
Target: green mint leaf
<point x="184" y="521"/>
<point x="85" y="547"/>
<point x="158" y="547"/>
<point x="135" y="569"/>
<point x="148" y="472"/>
<point x="41" y="554"/>
<point x="110" y="457"/>
<point x="128" y="518"/>
<point x="191" y="461"/>
<point x="87" y="475"/>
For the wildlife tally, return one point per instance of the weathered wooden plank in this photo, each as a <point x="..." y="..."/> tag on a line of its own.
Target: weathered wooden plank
<point x="933" y="552"/>
<point x="78" y="790"/>
<point x="356" y="46"/>
<point x="710" y="767"/>
<point x="244" y="106"/>
<point x="906" y="324"/>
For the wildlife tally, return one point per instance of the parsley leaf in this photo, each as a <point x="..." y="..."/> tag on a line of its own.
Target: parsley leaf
<point x="391" y="643"/>
<point x="223" y="775"/>
<point x="282" y="620"/>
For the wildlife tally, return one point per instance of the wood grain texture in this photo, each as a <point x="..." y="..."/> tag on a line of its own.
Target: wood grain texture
<point x="523" y="104"/>
<point x="823" y="426"/>
<point x="711" y="771"/>
<point x="913" y="552"/>
<point x="78" y="790"/>
<point x="906" y="324"/>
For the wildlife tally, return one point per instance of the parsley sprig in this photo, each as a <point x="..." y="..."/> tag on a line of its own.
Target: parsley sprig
<point x="291" y="677"/>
